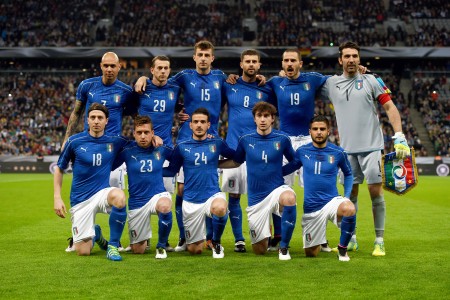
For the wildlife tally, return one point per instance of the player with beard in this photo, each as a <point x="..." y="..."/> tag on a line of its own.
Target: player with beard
<point x="322" y="203"/>
<point x="241" y="97"/>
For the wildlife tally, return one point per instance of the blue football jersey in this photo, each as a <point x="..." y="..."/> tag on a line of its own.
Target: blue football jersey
<point x="295" y="101"/>
<point x="200" y="162"/>
<point x="158" y="102"/>
<point x="144" y="169"/>
<point x="264" y="157"/>
<point x="241" y="98"/>
<point x="200" y="91"/>
<point x="320" y="169"/>
<point x="92" y="160"/>
<point x="115" y="97"/>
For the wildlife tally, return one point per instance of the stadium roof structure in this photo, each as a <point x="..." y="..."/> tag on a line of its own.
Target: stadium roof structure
<point x="145" y="52"/>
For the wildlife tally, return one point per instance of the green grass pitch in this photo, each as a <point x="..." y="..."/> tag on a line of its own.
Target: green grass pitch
<point x="33" y="262"/>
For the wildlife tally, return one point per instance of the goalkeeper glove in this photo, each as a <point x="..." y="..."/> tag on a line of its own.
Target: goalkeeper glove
<point x="401" y="146"/>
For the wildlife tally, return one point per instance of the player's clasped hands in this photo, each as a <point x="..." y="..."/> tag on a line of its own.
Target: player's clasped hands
<point x="401" y="146"/>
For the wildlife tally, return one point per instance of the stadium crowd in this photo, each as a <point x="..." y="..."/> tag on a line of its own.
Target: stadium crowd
<point x="181" y="23"/>
<point x="431" y="97"/>
<point x="35" y="109"/>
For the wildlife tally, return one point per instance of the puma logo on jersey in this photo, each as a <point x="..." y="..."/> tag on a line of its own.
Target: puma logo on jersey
<point x="193" y="84"/>
<point x="148" y="95"/>
<point x="165" y="223"/>
<point x="234" y="90"/>
<point x="282" y="87"/>
<point x="253" y="146"/>
<point x="92" y="94"/>
<point x="338" y="87"/>
<point x="187" y="150"/>
<point x="132" y="156"/>
<point x="307" y="156"/>
<point x="85" y="149"/>
<point x="235" y="217"/>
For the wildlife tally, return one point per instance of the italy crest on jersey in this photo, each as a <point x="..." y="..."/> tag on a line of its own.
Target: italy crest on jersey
<point x="277" y="145"/>
<point x="331" y="159"/>
<point x="216" y="85"/>
<point x="259" y="95"/>
<point x="212" y="148"/>
<point x="157" y="155"/>
<point x="358" y="84"/>
<point x="171" y="95"/>
<point x="117" y="98"/>
<point x="306" y="86"/>
<point x="109" y="147"/>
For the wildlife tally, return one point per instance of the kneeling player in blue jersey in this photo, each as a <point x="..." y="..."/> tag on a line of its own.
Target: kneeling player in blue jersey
<point x="146" y="188"/>
<point x="202" y="197"/>
<point x="92" y="154"/>
<point x="263" y="150"/>
<point x="321" y="162"/>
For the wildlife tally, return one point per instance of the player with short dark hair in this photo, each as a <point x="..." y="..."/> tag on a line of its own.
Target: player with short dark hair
<point x="146" y="188"/>
<point x="354" y="97"/>
<point x="92" y="153"/>
<point x="199" y="157"/>
<point x="321" y="162"/>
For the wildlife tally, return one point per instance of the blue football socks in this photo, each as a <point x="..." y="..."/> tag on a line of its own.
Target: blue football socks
<point x="348" y="225"/>
<point x="235" y="209"/>
<point x="117" y="220"/>
<point x="288" y="219"/>
<point x="164" y="228"/>
<point x="179" y="215"/>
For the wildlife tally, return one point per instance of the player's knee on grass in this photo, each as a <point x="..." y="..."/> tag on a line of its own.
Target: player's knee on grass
<point x="116" y="198"/>
<point x="312" y="251"/>
<point x="260" y="247"/>
<point x="139" y="248"/>
<point x="195" y="248"/>
<point x="164" y="205"/>
<point x="83" y="248"/>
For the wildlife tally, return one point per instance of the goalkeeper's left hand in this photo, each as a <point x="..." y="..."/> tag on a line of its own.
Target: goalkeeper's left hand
<point x="401" y="146"/>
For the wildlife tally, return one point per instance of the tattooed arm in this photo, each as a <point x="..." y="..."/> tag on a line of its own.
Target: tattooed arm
<point x="74" y="120"/>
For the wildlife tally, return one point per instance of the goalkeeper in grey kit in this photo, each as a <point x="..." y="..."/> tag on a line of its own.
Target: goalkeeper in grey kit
<point x="354" y="98"/>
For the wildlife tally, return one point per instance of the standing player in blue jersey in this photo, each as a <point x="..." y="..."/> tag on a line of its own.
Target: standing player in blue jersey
<point x="295" y="100"/>
<point x="355" y="97"/>
<point x="146" y="188"/>
<point x="322" y="203"/>
<point x="92" y="153"/>
<point x="199" y="157"/>
<point x="159" y="101"/>
<point x="112" y="93"/>
<point x="240" y="98"/>
<point x="263" y="150"/>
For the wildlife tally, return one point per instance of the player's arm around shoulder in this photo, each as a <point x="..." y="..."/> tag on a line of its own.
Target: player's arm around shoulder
<point x="294" y="164"/>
